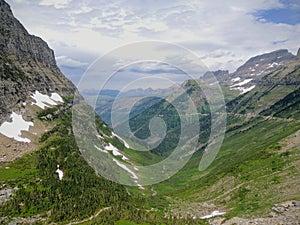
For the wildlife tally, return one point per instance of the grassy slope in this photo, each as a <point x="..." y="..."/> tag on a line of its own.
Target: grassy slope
<point x="250" y="173"/>
<point x="81" y="193"/>
<point x="254" y="169"/>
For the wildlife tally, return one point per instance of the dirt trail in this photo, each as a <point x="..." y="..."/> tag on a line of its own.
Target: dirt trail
<point x="90" y="218"/>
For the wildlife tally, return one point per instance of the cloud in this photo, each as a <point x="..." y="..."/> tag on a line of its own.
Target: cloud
<point x="153" y="68"/>
<point x="224" y="34"/>
<point x="66" y="61"/>
<point x="58" y="4"/>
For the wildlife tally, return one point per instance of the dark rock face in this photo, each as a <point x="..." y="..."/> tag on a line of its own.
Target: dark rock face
<point x="26" y="64"/>
<point x="16" y="42"/>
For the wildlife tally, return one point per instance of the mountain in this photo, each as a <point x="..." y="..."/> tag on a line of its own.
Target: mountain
<point x="269" y="90"/>
<point x="106" y="98"/>
<point x="44" y="177"/>
<point x="272" y="90"/>
<point x="255" y="173"/>
<point x="27" y="64"/>
<point x="252" y="71"/>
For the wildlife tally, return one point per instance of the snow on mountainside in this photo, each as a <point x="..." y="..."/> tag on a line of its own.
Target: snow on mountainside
<point x="29" y="82"/>
<point x="27" y="64"/>
<point x="249" y="75"/>
<point x="44" y="101"/>
<point x="14" y="128"/>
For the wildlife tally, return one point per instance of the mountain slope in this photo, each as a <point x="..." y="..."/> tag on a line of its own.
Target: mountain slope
<point x="44" y="177"/>
<point x="257" y="164"/>
<point x="260" y="153"/>
<point x="27" y="64"/>
<point x="269" y="89"/>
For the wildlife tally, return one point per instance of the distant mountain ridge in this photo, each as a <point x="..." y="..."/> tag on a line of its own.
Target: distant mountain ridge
<point x="248" y="75"/>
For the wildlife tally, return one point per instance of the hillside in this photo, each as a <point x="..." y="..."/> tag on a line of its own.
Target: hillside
<point x="28" y="74"/>
<point x="105" y="99"/>
<point x="27" y="65"/>
<point x="256" y="167"/>
<point x="44" y="177"/>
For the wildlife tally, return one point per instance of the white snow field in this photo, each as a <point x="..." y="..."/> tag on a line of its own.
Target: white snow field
<point x="60" y="173"/>
<point x="242" y="83"/>
<point x="44" y="101"/>
<point x="213" y="214"/>
<point x="115" y="151"/>
<point x="13" y="129"/>
<point x="121" y="139"/>
<point x="56" y="97"/>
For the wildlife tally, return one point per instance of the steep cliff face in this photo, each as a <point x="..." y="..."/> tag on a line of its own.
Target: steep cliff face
<point x="27" y="64"/>
<point x="18" y="44"/>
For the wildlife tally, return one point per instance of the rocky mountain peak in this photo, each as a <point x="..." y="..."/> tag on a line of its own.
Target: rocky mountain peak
<point x="249" y="75"/>
<point x="27" y="64"/>
<point x="298" y="53"/>
<point x="18" y="44"/>
<point x="265" y="63"/>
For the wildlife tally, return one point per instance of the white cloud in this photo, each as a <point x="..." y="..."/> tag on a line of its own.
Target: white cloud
<point x="223" y="34"/>
<point x="58" y="4"/>
<point x="81" y="10"/>
<point x="66" y="61"/>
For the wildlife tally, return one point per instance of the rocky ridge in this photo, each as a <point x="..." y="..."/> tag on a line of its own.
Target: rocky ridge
<point x="252" y="72"/>
<point x="27" y="64"/>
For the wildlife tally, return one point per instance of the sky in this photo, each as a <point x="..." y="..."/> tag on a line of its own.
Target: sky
<point x="223" y="34"/>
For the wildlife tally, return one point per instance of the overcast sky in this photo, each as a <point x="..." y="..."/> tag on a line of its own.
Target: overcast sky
<point x="222" y="33"/>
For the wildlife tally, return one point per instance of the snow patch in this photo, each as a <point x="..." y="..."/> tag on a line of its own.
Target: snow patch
<point x="115" y="151"/>
<point x="43" y="101"/>
<point x="139" y="185"/>
<point x="99" y="136"/>
<point x="272" y="65"/>
<point x="134" y="176"/>
<point x="60" y="173"/>
<point x="244" y="90"/>
<point x="214" y="83"/>
<point x="242" y="83"/>
<point x="236" y="79"/>
<point x="100" y="149"/>
<point x="56" y="97"/>
<point x="125" y="143"/>
<point x="13" y="129"/>
<point x="260" y="73"/>
<point x="213" y="214"/>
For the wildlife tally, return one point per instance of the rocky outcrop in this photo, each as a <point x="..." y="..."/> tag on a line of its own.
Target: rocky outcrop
<point x="16" y="42"/>
<point x="265" y="63"/>
<point x="26" y="64"/>
<point x="286" y="213"/>
<point x="257" y="67"/>
<point x="5" y="194"/>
